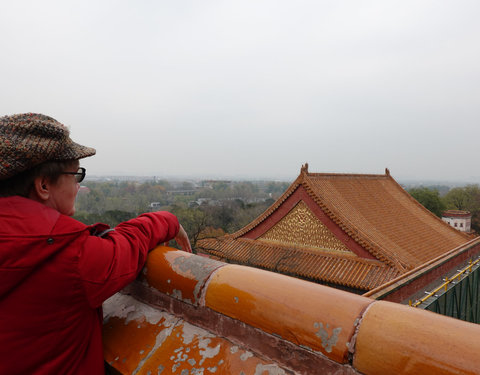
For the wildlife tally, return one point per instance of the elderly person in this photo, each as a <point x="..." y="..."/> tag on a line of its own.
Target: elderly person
<point x="55" y="272"/>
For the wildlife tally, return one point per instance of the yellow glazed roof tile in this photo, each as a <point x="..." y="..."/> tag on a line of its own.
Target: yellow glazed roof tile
<point x="385" y="217"/>
<point x="316" y="265"/>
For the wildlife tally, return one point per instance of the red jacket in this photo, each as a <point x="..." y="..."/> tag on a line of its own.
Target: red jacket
<point x="54" y="276"/>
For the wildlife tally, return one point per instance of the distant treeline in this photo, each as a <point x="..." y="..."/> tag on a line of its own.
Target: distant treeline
<point x="209" y="208"/>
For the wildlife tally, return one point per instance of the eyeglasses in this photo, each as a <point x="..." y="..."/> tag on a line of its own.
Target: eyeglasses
<point x="79" y="175"/>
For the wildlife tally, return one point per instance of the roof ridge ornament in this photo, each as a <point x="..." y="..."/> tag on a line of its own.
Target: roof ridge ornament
<point x="304" y="168"/>
<point x="387" y="171"/>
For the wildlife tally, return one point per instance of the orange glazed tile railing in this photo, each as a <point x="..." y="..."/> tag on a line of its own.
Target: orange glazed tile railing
<point x="192" y="315"/>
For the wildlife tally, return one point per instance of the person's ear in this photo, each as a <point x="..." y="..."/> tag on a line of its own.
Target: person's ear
<point x="41" y="188"/>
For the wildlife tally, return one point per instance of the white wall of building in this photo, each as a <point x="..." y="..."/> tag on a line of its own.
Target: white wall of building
<point x="463" y="224"/>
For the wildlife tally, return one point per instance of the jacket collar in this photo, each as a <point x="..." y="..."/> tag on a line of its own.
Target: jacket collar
<point x="25" y="216"/>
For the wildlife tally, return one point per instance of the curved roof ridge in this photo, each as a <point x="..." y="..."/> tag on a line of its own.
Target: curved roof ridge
<point x="313" y="174"/>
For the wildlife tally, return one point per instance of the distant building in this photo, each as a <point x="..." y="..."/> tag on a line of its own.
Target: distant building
<point x="460" y="220"/>
<point x="350" y="231"/>
<point x="155" y="206"/>
<point x="211" y="183"/>
<point x="182" y="192"/>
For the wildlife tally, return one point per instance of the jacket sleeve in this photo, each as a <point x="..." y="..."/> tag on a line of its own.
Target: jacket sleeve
<point x="108" y="264"/>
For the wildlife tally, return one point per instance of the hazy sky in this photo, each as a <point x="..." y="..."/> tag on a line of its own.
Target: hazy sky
<point x="252" y="88"/>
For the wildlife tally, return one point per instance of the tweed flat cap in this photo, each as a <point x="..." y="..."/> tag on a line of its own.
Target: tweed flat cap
<point x="29" y="139"/>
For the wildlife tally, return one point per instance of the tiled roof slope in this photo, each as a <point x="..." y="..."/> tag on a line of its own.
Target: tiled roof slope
<point x="321" y="266"/>
<point x="381" y="214"/>
<point x="371" y="214"/>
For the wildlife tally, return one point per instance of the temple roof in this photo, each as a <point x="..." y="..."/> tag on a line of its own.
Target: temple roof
<point x="355" y="230"/>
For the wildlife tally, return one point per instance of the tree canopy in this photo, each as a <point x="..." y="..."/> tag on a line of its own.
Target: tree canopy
<point x="466" y="198"/>
<point x="430" y="199"/>
<point x="223" y="207"/>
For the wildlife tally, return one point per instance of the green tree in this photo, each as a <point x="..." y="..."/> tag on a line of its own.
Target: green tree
<point x="193" y="220"/>
<point x="227" y="210"/>
<point x="430" y="199"/>
<point x="466" y="198"/>
<point x="457" y="199"/>
<point x="277" y="187"/>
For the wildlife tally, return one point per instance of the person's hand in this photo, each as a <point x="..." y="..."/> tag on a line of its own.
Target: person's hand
<point x="182" y="240"/>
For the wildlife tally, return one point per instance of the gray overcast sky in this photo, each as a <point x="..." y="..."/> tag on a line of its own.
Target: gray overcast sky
<point x="252" y="88"/>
